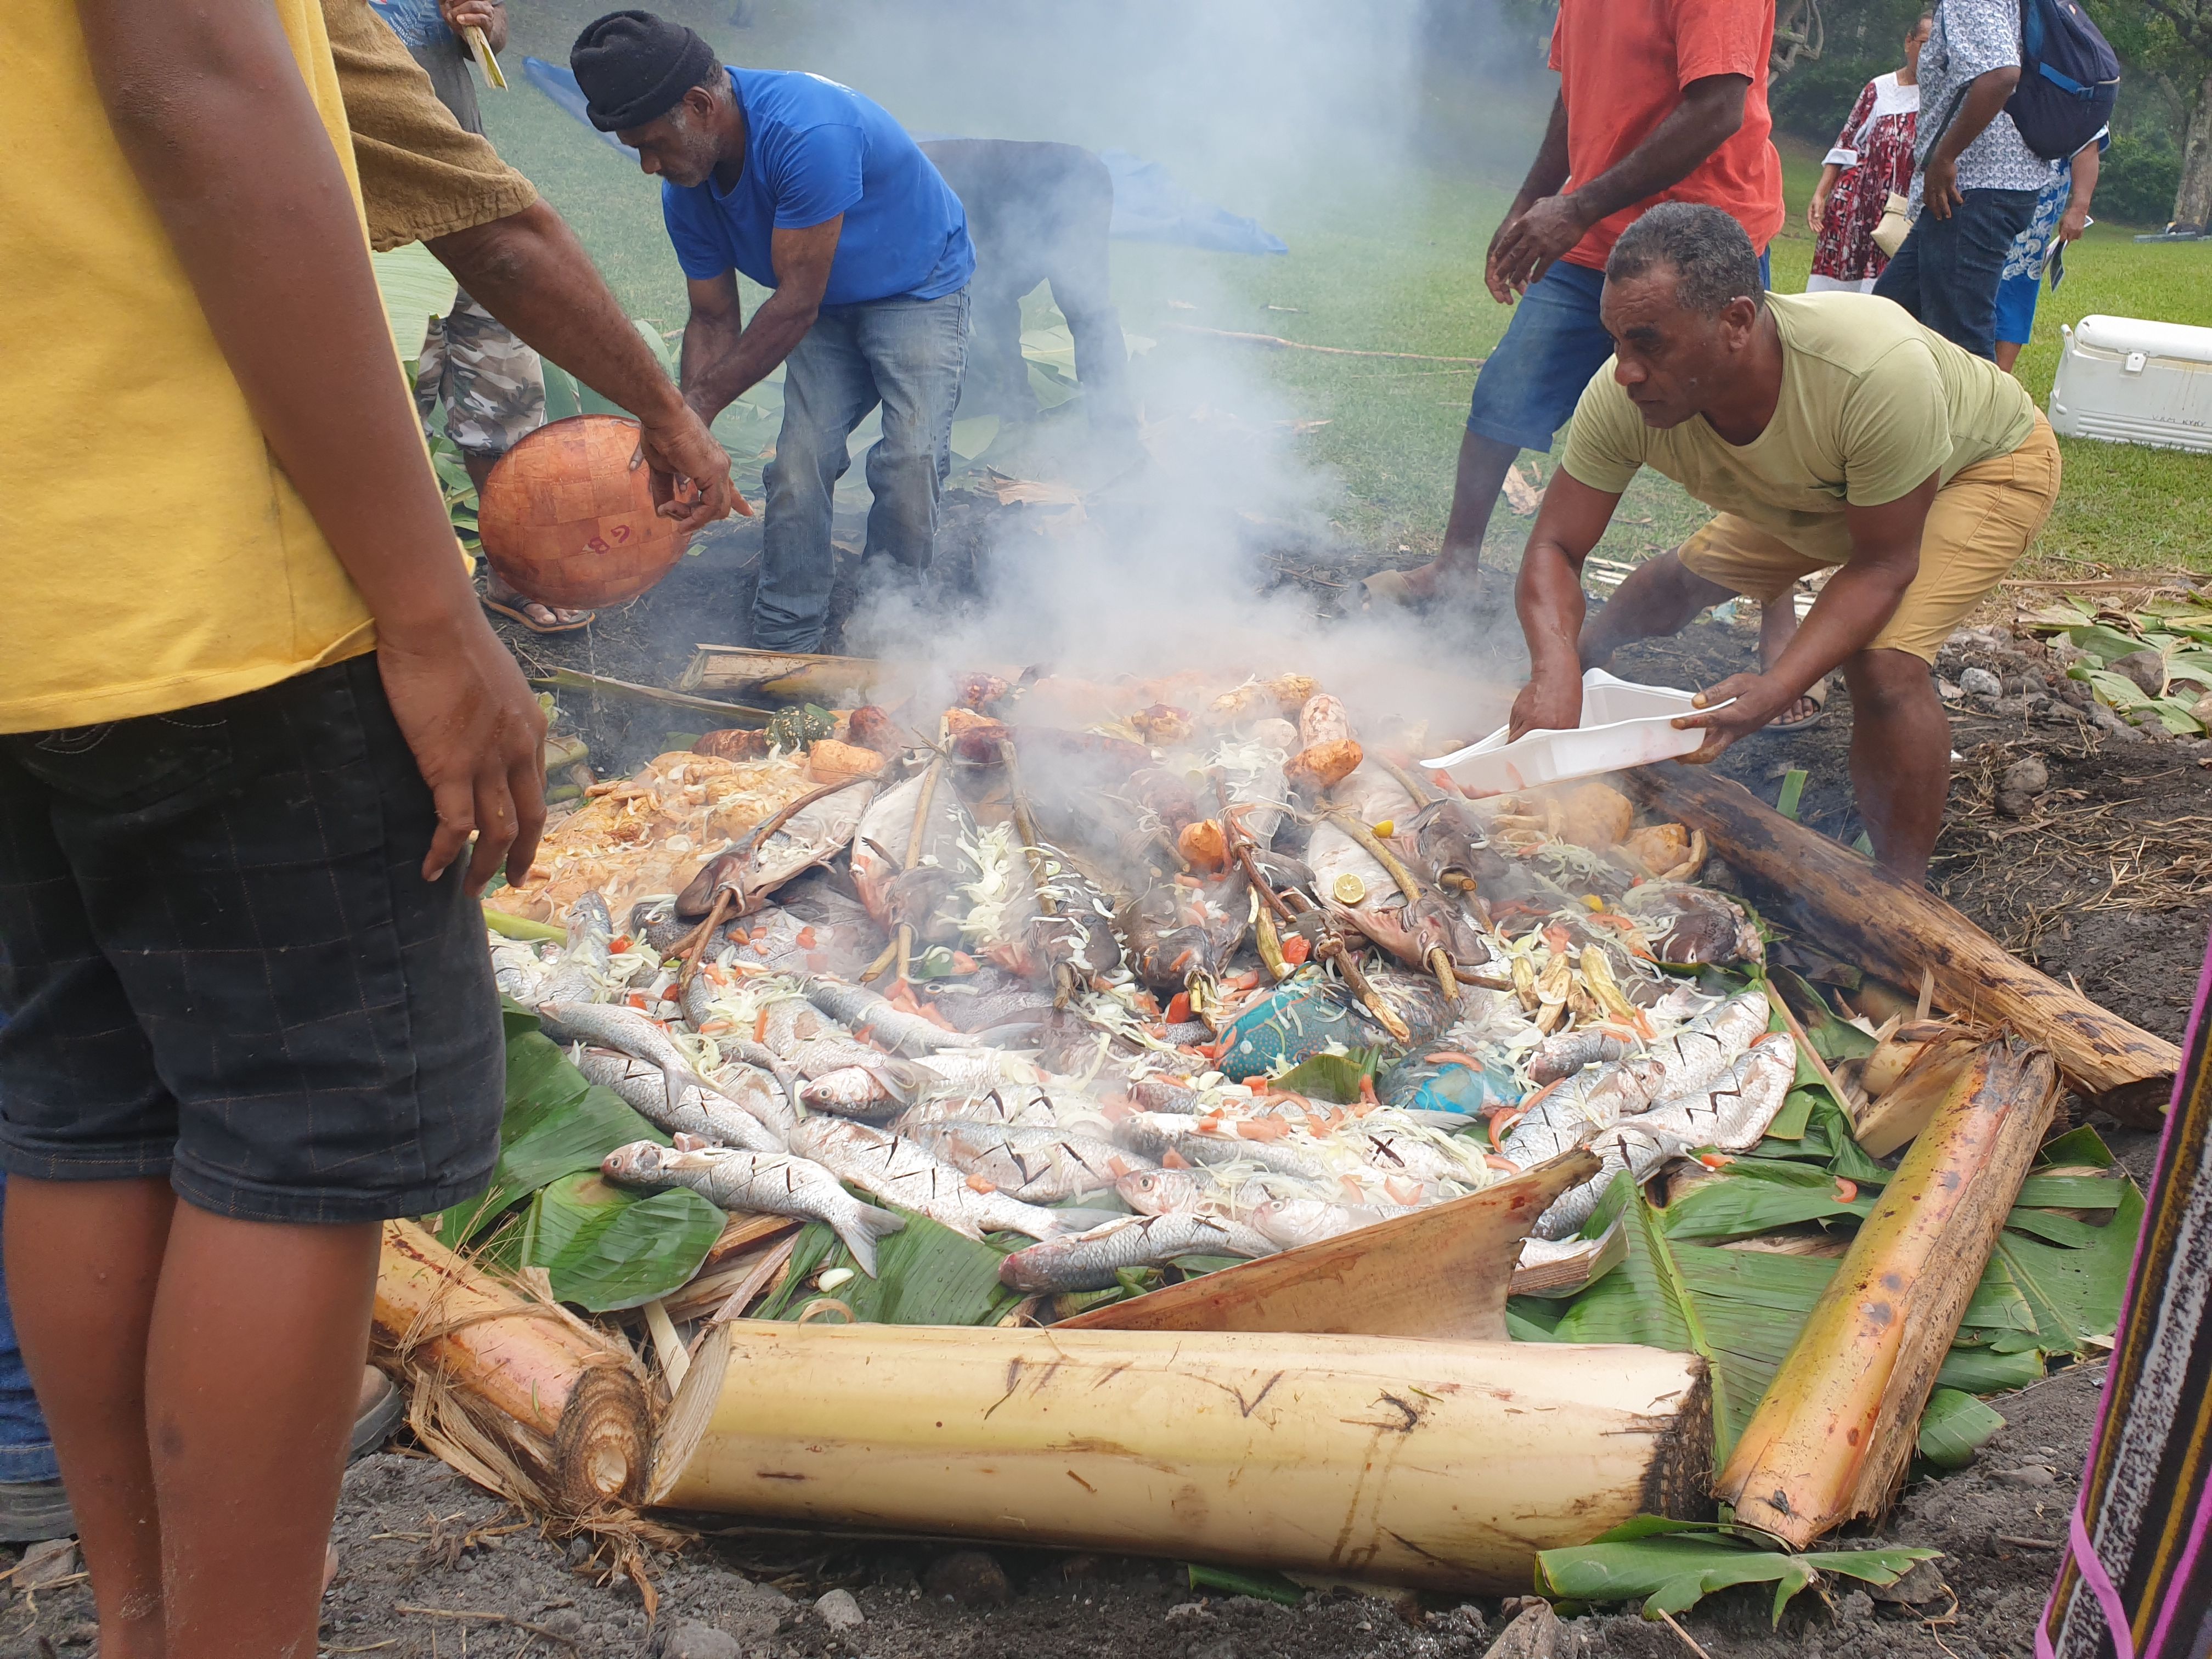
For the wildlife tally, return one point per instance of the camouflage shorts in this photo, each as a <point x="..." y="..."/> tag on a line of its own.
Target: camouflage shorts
<point x="492" y="384"/>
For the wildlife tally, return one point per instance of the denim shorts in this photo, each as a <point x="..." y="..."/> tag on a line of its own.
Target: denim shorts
<point x="1528" y="387"/>
<point x="220" y="964"/>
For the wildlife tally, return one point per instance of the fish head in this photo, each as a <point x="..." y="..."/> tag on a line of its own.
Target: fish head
<point x="1155" y="1192"/>
<point x="640" y="1161"/>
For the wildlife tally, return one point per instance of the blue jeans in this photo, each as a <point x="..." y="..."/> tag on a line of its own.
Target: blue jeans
<point x="27" y="1450"/>
<point x="1947" y="272"/>
<point x="1528" y="388"/>
<point x="908" y="356"/>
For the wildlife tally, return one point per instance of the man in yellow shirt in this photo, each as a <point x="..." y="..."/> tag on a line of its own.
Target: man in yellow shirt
<point x="1827" y="429"/>
<point x="250" y="717"/>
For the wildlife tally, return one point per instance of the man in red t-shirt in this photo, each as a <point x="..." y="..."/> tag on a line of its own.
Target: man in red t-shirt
<point x="1658" y="100"/>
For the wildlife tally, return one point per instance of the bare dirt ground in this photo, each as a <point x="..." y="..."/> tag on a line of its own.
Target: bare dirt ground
<point x="2092" y="876"/>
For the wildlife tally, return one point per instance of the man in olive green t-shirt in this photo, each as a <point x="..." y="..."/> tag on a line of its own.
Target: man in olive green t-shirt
<point x="1828" y="429"/>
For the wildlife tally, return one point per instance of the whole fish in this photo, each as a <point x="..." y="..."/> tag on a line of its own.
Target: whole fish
<point x="775" y="1184"/>
<point x="843" y="1073"/>
<point x="518" y="970"/>
<point x="759" y="864"/>
<point x="1733" y="1114"/>
<point x="893" y="893"/>
<point x="712" y="1117"/>
<point x="1156" y="1134"/>
<point x="1040" y="1166"/>
<point x="1013" y="1105"/>
<point x="875" y="1018"/>
<point x="987" y="1000"/>
<point x="1003" y="914"/>
<point x="1291" y="1222"/>
<point x="1688" y="924"/>
<point x="1181" y="932"/>
<point x="1565" y="1052"/>
<point x="1092" y="1261"/>
<point x="579" y="974"/>
<point x="610" y="1025"/>
<point x="1403" y="1148"/>
<point x="1635" y="1144"/>
<point x="903" y="1172"/>
<point x="1699" y="1053"/>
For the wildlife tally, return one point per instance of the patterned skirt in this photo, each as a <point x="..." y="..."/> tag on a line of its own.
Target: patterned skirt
<point x="2136" y="1580"/>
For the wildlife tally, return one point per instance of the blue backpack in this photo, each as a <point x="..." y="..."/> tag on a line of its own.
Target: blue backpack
<point x="2068" y="79"/>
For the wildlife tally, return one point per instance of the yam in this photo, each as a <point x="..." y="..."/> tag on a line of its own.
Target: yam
<point x="830" y="761"/>
<point x="1324" y="719"/>
<point x="1598" y="816"/>
<point x="872" y="728"/>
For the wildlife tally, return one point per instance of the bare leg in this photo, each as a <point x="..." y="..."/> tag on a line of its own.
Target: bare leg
<point x="544" y="616"/>
<point x="1658" y="598"/>
<point x="204" y="1372"/>
<point x="1900" y="757"/>
<point x="1483" y="465"/>
<point x="84" y="1261"/>
<point x="1777" y="626"/>
<point x="2007" y="354"/>
<point x="248" y="1452"/>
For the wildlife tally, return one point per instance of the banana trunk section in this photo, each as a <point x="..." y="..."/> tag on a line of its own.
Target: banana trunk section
<point x="1448" y="1465"/>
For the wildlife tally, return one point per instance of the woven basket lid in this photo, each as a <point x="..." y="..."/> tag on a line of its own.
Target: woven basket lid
<point x="566" y="520"/>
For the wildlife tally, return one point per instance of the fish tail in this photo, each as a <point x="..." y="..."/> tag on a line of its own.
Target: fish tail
<point x="863" y="1228"/>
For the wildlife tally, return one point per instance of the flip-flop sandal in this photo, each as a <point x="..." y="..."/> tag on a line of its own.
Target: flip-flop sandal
<point x="1817" y="694"/>
<point x="373" y="1424"/>
<point x="514" y="615"/>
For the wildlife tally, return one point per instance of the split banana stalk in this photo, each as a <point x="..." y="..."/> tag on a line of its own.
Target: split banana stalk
<point x="514" y="1391"/>
<point x="1835" y="1429"/>
<point x="1442" y="1464"/>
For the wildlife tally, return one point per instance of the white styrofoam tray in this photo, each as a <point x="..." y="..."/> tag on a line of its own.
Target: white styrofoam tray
<point x="1623" y="725"/>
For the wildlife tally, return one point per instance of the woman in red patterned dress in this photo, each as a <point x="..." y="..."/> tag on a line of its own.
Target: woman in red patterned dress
<point x="1873" y="156"/>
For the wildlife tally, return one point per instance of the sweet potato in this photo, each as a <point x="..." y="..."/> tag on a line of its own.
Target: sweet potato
<point x="829" y="761"/>
<point x="1319" y="765"/>
<point x="872" y="728"/>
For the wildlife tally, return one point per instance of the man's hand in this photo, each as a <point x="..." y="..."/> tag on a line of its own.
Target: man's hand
<point x="1528" y="243"/>
<point x="489" y="16"/>
<point x="479" y="741"/>
<point x="690" y="470"/>
<point x="1549" y="702"/>
<point x="2074" y="222"/>
<point x="1753" y="700"/>
<point x="1938" y="187"/>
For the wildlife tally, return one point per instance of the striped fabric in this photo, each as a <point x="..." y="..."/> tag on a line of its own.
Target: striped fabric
<point x="2137" y="1581"/>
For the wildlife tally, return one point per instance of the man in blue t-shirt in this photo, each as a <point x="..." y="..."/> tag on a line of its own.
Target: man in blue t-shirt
<point x="813" y="190"/>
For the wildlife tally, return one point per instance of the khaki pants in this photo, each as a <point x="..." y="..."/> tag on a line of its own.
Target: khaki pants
<point x="1978" y="527"/>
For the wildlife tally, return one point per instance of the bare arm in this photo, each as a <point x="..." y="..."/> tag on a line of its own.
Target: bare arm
<point x="1548" y="598"/>
<point x="722" y="356"/>
<point x="530" y="271"/>
<point x="2076" y="219"/>
<point x="207" y="103"/>
<point x="1854" y="606"/>
<point x="1546" y="175"/>
<point x="1985" y="97"/>
<point x="1710" y="113"/>
<point x="1817" y="208"/>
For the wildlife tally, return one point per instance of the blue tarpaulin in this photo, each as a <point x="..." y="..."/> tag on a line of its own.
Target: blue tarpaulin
<point x="1149" y="206"/>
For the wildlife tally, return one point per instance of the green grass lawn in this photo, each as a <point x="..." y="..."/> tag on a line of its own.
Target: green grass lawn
<point x="1396" y="267"/>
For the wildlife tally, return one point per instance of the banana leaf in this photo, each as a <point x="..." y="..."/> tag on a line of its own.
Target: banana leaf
<point x="1954" y="1425"/>
<point x="2075" y="1293"/>
<point x="603" y="1247"/>
<point x="1754" y="1199"/>
<point x="1332" y="1077"/>
<point x="1742" y="1310"/>
<point x="2105" y="644"/>
<point x="415" y="287"/>
<point x="1673" y="1564"/>
<point x="1262" y="1585"/>
<point x="926" y="1274"/>
<point x="555" y="1124"/>
<point x="2074" y="1149"/>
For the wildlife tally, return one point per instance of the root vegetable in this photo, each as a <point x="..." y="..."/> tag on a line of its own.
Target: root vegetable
<point x="829" y="761"/>
<point x="733" y="744"/>
<point x="1203" y="845"/>
<point x="1659" y="847"/>
<point x="1597" y="817"/>
<point x="1320" y="765"/>
<point x="1324" y="719"/>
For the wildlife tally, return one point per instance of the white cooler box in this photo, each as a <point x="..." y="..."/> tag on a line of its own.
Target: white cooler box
<point x="2130" y="382"/>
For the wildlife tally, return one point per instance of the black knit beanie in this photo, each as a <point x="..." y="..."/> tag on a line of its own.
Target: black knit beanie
<point x="635" y="67"/>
